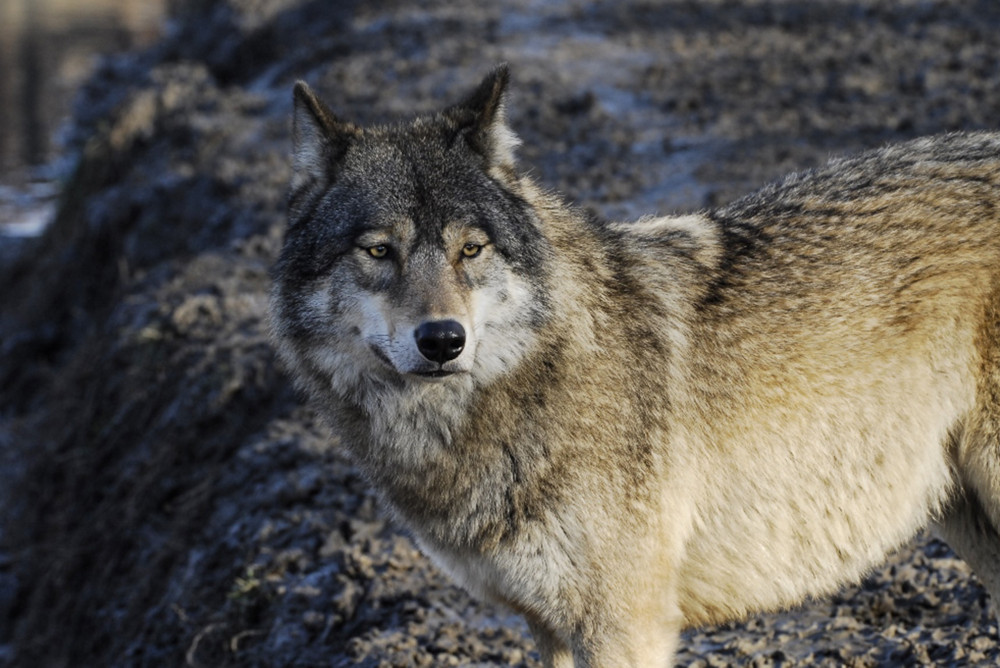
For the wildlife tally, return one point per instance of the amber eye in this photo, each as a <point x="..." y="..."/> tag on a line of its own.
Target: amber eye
<point x="471" y="250"/>
<point x="379" y="251"/>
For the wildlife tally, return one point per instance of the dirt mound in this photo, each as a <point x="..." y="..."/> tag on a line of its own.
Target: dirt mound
<point x="167" y="500"/>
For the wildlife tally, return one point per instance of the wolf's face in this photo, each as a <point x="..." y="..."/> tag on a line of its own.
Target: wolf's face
<point x="409" y="252"/>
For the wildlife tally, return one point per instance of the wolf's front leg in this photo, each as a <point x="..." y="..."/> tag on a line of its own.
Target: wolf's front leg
<point x="644" y="646"/>
<point x="637" y="630"/>
<point x="555" y="653"/>
<point x="638" y="626"/>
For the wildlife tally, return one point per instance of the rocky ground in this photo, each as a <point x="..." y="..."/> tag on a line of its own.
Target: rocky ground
<point x="166" y="498"/>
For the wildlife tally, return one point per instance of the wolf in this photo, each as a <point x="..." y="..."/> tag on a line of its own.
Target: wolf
<point x="621" y="430"/>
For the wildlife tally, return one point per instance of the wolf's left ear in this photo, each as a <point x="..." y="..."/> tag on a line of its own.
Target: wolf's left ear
<point x="319" y="138"/>
<point x="482" y="119"/>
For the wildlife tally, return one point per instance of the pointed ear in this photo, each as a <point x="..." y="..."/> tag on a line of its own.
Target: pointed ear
<point x="319" y="138"/>
<point x="481" y="117"/>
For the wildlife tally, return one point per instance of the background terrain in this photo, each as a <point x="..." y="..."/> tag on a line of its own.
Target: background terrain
<point x="166" y="498"/>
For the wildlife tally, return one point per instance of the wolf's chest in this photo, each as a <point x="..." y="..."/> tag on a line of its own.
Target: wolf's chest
<point x="520" y="574"/>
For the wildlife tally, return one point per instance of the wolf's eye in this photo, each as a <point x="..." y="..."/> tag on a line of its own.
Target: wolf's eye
<point x="379" y="251"/>
<point x="471" y="250"/>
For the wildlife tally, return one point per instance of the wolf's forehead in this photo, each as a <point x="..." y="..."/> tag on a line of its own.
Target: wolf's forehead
<point x="418" y="176"/>
<point x="412" y="157"/>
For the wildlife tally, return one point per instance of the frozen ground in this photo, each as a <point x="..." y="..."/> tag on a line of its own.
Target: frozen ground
<point x="167" y="500"/>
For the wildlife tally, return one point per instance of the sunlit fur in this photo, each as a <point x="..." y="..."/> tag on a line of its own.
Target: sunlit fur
<point x="673" y="422"/>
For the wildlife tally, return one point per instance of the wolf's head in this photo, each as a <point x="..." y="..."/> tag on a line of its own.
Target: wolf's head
<point x="411" y="251"/>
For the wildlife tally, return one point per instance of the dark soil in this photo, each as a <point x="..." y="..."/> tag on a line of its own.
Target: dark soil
<point x="167" y="500"/>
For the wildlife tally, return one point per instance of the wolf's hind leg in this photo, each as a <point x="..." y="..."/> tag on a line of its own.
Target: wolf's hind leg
<point x="971" y="523"/>
<point x="967" y="529"/>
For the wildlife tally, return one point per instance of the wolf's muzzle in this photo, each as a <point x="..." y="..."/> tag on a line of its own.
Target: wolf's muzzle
<point x="440" y="340"/>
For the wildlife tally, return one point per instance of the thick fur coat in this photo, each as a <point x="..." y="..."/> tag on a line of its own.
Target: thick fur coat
<point x="623" y="429"/>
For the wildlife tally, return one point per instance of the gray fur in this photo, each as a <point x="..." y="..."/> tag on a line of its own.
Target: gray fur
<point x="658" y="424"/>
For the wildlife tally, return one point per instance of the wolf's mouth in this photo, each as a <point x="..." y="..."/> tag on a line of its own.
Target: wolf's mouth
<point x="438" y="373"/>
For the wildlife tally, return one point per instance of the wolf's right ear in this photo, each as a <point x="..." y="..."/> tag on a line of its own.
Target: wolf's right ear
<point x="319" y="138"/>
<point x="482" y="118"/>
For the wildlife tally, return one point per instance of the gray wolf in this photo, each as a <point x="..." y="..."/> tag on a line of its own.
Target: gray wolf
<point x="621" y="430"/>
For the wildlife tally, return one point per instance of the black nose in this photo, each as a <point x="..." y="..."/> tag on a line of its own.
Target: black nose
<point x="441" y="340"/>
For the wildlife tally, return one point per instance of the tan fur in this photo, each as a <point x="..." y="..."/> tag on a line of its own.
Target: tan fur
<point x="714" y="414"/>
